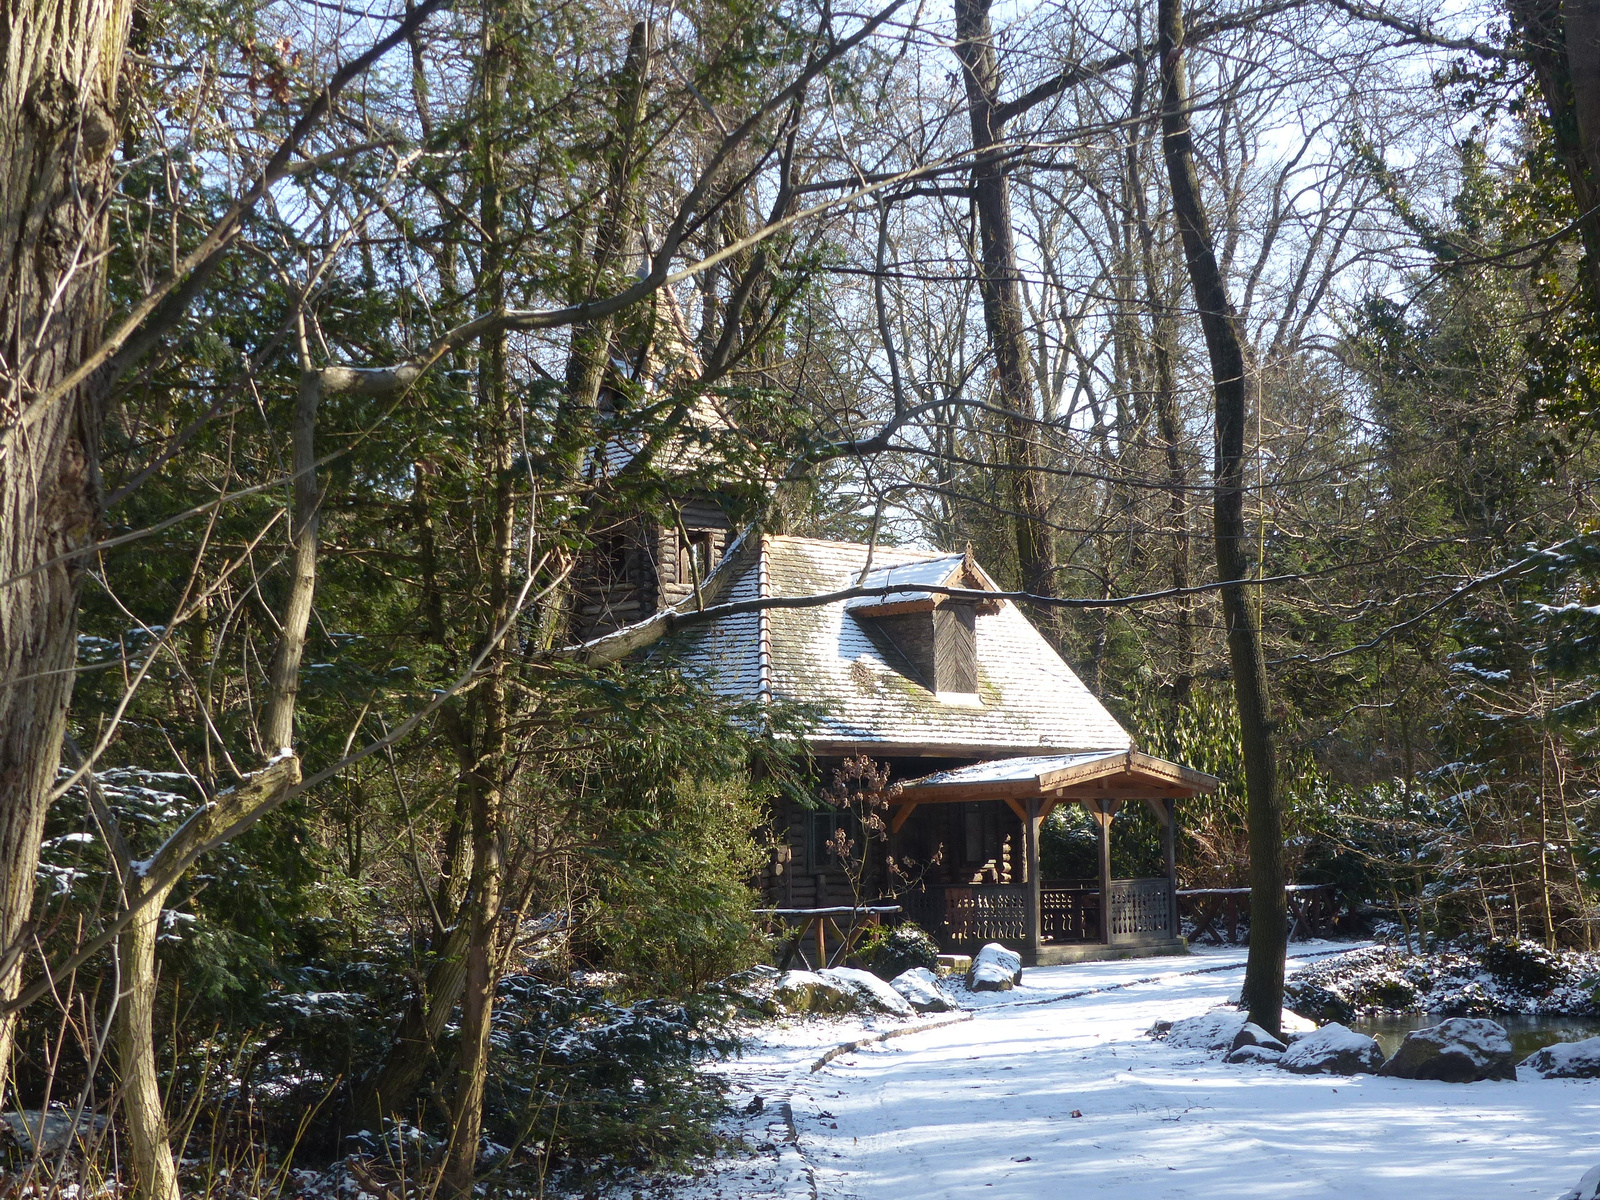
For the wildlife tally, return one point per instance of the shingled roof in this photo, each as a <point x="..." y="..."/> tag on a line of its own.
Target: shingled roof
<point x="1028" y="702"/>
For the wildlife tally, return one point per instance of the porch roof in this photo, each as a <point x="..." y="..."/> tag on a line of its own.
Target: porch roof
<point x="1093" y="774"/>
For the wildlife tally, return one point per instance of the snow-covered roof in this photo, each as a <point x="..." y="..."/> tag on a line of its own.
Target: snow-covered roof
<point x="1046" y="774"/>
<point x="1015" y="770"/>
<point x="868" y="696"/>
<point x="910" y="578"/>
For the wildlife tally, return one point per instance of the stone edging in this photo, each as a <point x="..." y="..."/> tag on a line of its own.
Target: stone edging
<point x="902" y="1031"/>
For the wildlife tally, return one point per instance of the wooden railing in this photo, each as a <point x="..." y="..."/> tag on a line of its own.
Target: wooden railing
<point x="964" y="918"/>
<point x="967" y="917"/>
<point x="1141" y="910"/>
<point x="1216" y="913"/>
<point x="1070" y="912"/>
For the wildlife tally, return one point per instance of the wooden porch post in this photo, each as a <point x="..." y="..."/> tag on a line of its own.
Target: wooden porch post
<point x="1102" y="818"/>
<point x="1030" y="857"/>
<point x="1169" y="844"/>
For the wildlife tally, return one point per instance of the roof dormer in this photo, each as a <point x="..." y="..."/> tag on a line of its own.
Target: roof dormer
<point x="936" y="634"/>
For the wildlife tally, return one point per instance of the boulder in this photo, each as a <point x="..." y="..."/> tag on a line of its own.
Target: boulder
<point x="871" y="993"/>
<point x="1253" y="1035"/>
<point x="921" y="989"/>
<point x="1460" y="1050"/>
<point x="809" y="992"/>
<point x="1254" y="1054"/>
<point x="1588" y="1187"/>
<point x="1332" y="1050"/>
<point x="995" y="969"/>
<point x="53" y="1131"/>
<point x="1567" y="1060"/>
<point x="1213" y="1031"/>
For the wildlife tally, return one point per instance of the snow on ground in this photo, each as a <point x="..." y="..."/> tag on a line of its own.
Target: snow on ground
<point x="987" y="1108"/>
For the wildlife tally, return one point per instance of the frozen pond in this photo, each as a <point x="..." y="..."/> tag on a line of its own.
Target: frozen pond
<point x="1527" y="1033"/>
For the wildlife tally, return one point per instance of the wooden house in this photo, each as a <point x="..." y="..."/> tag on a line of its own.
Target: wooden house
<point x="983" y="728"/>
<point x="981" y="725"/>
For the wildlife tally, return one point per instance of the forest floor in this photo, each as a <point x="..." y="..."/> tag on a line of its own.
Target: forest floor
<point x="1055" y="1087"/>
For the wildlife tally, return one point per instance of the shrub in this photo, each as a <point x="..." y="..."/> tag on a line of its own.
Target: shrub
<point x="592" y="1088"/>
<point x="1522" y="964"/>
<point x="903" y="947"/>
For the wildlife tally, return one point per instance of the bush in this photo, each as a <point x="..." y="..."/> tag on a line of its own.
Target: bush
<point x="591" y="1089"/>
<point x="1525" y="965"/>
<point x="674" y="912"/>
<point x="903" y="947"/>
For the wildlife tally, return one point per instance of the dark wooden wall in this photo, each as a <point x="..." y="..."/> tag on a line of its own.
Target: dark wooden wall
<point x="642" y="566"/>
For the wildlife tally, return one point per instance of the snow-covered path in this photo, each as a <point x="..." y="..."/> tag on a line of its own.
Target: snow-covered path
<point x="989" y="1108"/>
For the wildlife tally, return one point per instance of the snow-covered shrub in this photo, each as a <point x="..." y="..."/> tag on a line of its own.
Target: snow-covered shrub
<point x="903" y="947"/>
<point x="1523" y="964"/>
<point x="591" y="1087"/>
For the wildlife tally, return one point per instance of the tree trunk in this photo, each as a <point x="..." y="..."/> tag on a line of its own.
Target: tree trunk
<point x="484" y="890"/>
<point x="1562" y="42"/>
<point x="1234" y="385"/>
<point x="58" y="100"/>
<point x="149" y="1145"/>
<point x="998" y="277"/>
<point x="149" y="1138"/>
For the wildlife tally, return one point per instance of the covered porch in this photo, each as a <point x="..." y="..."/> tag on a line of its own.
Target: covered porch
<point x="1058" y="921"/>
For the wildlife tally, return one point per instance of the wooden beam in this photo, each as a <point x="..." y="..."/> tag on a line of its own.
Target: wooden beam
<point x="1016" y="807"/>
<point x="1033" y="916"/>
<point x="898" y="820"/>
<point x="1159" y="808"/>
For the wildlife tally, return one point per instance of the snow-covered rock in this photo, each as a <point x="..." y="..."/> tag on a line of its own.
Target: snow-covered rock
<point x="921" y="989"/>
<point x="871" y="993"/>
<point x="1332" y="1050"/>
<point x="1567" y="1060"/>
<point x="1252" y="1034"/>
<point x="53" y="1131"/>
<point x="1213" y="1031"/>
<point x="1588" y="1187"/>
<point x="995" y="969"/>
<point x="1255" y="1054"/>
<point x="809" y="992"/>
<point x="1460" y="1050"/>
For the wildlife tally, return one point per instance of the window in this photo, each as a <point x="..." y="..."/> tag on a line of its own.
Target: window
<point x="822" y="828"/>
<point x="694" y="556"/>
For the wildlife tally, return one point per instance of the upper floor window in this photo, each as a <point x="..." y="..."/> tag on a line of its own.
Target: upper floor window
<point x="694" y="556"/>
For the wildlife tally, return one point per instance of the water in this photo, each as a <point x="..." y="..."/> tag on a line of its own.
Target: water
<point x="1527" y="1033"/>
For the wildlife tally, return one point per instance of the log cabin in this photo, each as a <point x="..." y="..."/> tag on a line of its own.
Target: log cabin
<point x="983" y="728"/>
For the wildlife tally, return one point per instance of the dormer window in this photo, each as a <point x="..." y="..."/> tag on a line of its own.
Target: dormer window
<point x="936" y="634"/>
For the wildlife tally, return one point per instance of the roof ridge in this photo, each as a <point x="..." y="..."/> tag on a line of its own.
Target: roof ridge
<point x="811" y="541"/>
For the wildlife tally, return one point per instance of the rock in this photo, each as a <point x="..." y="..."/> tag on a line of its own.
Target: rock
<point x="1567" y="1060"/>
<point x="1332" y="1050"/>
<point x="955" y="964"/>
<point x="1213" y="1031"/>
<point x="1460" y="1050"/>
<point x="871" y="993"/>
<point x="809" y="992"/>
<point x="921" y="989"/>
<point x="1254" y="1054"/>
<point x="1588" y="1187"/>
<point x="54" y="1130"/>
<point x="1253" y="1035"/>
<point x="995" y="969"/>
<point x="751" y="989"/>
